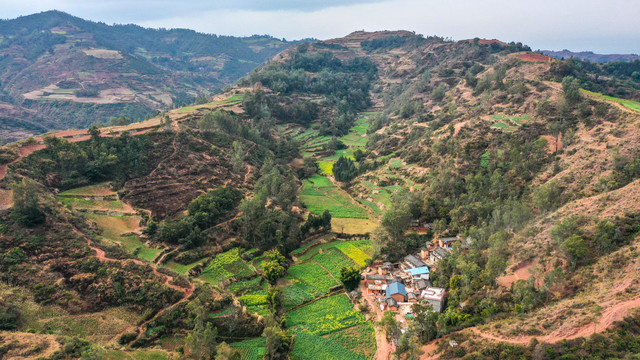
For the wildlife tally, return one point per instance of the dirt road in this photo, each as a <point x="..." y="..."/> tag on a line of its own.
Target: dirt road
<point x="610" y="314"/>
<point x="384" y="349"/>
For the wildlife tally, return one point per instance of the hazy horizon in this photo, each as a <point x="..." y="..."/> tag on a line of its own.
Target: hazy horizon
<point x="598" y="26"/>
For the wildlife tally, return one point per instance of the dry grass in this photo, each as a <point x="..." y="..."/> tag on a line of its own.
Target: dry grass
<point x="352" y="226"/>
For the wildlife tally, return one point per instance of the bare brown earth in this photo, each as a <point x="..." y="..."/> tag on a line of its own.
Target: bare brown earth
<point x="520" y="272"/>
<point x="535" y="57"/>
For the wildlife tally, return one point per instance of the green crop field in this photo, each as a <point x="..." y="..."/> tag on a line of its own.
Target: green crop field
<point x="326" y="167"/>
<point x="96" y="190"/>
<point x="515" y="117"/>
<point x="348" y="153"/>
<point x="320" y="181"/>
<point x="359" y="339"/>
<point x="315" y="347"/>
<point x="134" y="245"/>
<point x="245" y="286"/>
<point x="114" y="226"/>
<point x="333" y="260"/>
<point x="183" y="269"/>
<point x="131" y="355"/>
<point x="503" y="126"/>
<point x="358" y="251"/>
<point x="325" y="316"/>
<point x="253" y="349"/>
<point x="361" y="125"/>
<point x="325" y="196"/>
<point x="313" y="275"/>
<point x="92" y="204"/>
<point x="297" y="293"/>
<point x="633" y="105"/>
<point x="224" y="266"/>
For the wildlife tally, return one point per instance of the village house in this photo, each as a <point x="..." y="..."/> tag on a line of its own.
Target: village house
<point x="424" y="253"/>
<point x="410" y="262"/>
<point x="439" y="254"/>
<point x="419" y="273"/>
<point x="397" y="291"/>
<point x="377" y="289"/>
<point x="412" y="297"/>
<point x="447" y="242"/>
<point x="378" y="279"/>
<point x="422" y="284"/>
<point x="419" y="227"/>
<point x="435" y="297"/>
<point x="385" y="268"/>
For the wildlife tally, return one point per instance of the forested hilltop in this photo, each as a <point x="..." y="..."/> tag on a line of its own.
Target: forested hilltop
<point x="275" y="220"/>
<point x="61" y="72"/>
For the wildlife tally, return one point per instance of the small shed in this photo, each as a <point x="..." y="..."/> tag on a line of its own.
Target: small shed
<point x="422" y="284"/>
<point x="392" y="304"/>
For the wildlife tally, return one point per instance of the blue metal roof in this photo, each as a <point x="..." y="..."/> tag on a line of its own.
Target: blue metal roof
<point x="396" y="288"/>
<point x="418" y="271"/>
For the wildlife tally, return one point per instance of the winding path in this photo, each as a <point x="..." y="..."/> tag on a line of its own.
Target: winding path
<point x="610" y="315"/>
<point x="186" y="293"/>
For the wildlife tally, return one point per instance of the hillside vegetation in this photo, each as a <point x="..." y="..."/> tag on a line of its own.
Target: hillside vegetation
<point x="58" y="71"/>
<point x="239" y="222"/>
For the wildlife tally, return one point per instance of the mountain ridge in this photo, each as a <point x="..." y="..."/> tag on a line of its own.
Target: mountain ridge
<point x="75" y="72"/>
<point x="326" y="154"/>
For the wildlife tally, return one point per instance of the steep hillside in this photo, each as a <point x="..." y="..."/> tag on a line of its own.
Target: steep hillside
<point x="58" y="71"/>
<point x="257" y="211"/>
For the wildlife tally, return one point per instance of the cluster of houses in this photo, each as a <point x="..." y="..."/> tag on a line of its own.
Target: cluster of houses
<point x="398" y="286"/>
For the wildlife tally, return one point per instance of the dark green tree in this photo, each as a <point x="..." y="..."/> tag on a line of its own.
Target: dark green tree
<point x="27" y="210"/>
<point x="350" y="277"/>
<point x="344" y="169"/>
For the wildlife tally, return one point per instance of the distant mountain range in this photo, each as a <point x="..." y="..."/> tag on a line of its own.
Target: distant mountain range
<point x="591" y="56"/>
<point x="58" y="71"/>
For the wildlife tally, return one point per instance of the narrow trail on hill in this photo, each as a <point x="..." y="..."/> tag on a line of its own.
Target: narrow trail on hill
<point x="609" y="315"/>
<point x="186" y="293"/>
<point x="246" y="176"/>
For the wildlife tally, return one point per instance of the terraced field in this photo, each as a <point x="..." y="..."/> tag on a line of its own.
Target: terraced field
<point x="117" y="229"/>
<point x="509" y="123"/>
<point x="319" y="194"/>
<point x="629" y="104"/>
<point x="224" y="266"/>
<point x="253" y="349"/>
<point x="326" y="329"/>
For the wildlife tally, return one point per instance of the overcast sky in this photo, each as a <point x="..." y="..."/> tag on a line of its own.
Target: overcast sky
<point x="611" y="26"/>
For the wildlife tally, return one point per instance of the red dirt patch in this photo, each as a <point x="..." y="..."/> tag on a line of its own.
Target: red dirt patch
<point x="490" y="41"/>
<point x="535" y="57"/>
<point x="520" y="272"/>
<point x="553" y="146"/>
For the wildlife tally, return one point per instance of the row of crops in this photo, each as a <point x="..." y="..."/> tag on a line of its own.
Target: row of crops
<point x="317" y="195"/>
